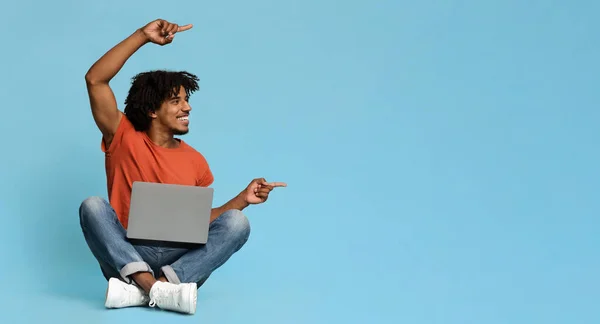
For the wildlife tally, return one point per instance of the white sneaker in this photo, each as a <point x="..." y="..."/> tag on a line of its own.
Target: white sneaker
<point x="121" y="294"/>
<point x="175" y="297"/>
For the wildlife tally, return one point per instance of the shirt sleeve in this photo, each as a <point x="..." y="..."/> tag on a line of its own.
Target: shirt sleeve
<point x="206" y="179"/>
<point x="124" y="128"/>
<point x="205" y="175"/>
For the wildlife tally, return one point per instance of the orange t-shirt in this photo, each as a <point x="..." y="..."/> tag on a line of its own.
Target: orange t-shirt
<point x="132" y="156"/>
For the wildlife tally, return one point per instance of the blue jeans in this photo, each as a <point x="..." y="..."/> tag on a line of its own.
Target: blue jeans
<point x="119" y="257"/>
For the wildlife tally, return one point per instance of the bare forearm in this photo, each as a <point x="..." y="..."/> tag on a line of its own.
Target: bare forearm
<point x="237" y="202"/>
<point x="111" y="63"/>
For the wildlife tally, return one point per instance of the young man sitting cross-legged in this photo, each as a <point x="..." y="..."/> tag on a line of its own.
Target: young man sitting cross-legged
<point x="140" y="145"/>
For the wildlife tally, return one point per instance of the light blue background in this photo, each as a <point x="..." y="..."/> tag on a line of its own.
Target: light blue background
<point x="441" y="157"/>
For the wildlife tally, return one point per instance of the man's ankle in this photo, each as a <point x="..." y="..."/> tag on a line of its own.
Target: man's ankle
<point x="145" y="280"/>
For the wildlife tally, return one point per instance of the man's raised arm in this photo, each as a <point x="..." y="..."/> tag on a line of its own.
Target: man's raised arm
<point x="102" y="99"/>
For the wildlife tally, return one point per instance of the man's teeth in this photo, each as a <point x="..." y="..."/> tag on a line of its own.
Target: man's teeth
<point x="183" y="118"/>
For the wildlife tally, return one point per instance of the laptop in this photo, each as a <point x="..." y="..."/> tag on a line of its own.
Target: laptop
<point x="169" y="213"/>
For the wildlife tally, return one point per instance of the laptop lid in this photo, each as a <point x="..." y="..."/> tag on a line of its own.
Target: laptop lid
<point x="170" y="213"/>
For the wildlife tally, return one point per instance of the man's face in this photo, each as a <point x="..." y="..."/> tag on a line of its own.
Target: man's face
<point x="174" y="112"/>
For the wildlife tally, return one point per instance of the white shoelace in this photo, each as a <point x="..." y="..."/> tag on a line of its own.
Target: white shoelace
<point x="163" y="294"/>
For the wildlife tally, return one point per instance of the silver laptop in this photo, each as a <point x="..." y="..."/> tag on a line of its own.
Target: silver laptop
<point x="169" y="213"/>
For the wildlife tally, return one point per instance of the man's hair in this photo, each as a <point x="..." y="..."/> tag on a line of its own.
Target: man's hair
<point x="150" y="89"/>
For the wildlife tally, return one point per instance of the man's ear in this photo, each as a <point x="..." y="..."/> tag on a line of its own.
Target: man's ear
<point x="152" y="114"/>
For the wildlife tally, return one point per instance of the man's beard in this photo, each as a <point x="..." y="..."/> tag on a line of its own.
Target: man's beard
<point x="179" y="132"/>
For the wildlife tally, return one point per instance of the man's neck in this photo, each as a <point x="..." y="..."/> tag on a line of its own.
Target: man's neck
<point x="162" y="138"/>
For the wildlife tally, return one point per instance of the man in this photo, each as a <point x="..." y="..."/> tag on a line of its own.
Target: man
<point x="140" y="145"/>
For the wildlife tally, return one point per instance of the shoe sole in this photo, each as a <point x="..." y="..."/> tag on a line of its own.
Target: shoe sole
<point x="193" y="295"/>
<point x="110" y="293"/>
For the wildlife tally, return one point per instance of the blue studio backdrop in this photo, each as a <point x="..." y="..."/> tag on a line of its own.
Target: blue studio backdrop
<point x="440" y="157"/>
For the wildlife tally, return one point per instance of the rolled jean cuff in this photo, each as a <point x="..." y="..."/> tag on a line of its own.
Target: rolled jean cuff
<point x="132" y="268"/>
<point x="170" y="274"/>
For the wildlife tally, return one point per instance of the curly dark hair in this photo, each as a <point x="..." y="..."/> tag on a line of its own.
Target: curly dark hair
<point x="150" y="89"/>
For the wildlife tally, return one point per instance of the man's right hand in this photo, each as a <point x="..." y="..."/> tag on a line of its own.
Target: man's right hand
<point x="162" y="32"/>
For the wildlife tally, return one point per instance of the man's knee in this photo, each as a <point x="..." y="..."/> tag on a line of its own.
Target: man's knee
<point x="92" y="207"/>
<point x="237" y="224"/>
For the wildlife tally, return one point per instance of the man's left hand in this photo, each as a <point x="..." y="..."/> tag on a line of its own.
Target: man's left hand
<point x="258" y="190"/>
